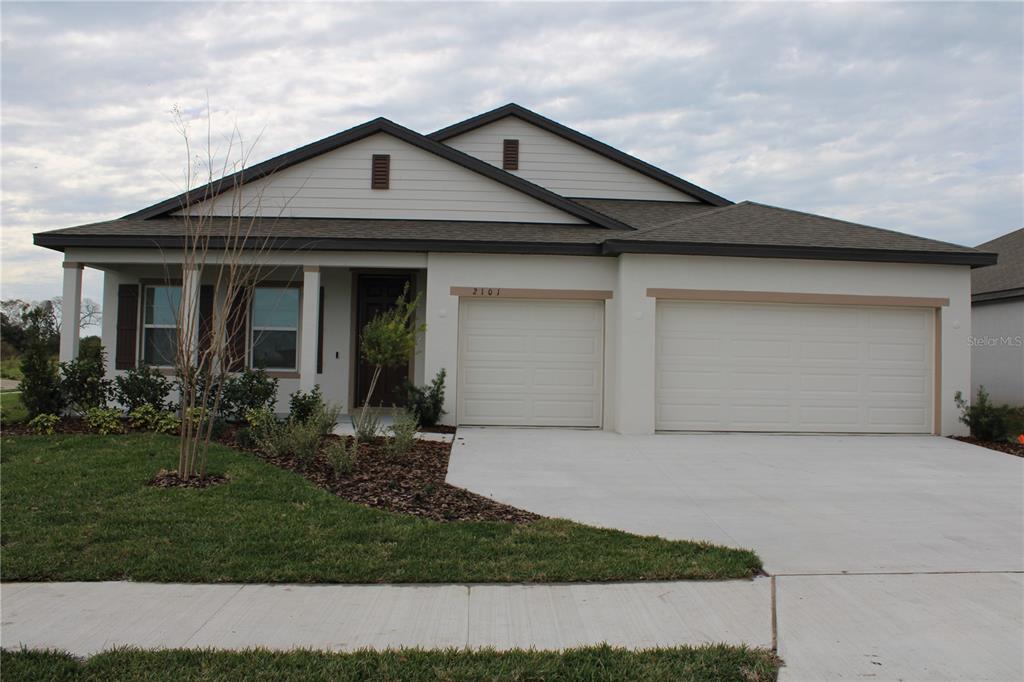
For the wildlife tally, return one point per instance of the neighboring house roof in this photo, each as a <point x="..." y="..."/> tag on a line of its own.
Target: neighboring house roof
<point x="579" y="138"/>
<point x="377" y="125"/>
<point x="1005" y="279"/>
<point x="749" y="228"/>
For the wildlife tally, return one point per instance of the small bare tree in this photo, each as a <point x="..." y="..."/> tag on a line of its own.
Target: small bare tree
<point x="226" y="246"/>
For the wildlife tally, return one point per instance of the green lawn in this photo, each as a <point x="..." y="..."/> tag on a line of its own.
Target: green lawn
<point x="718" y="663"/>
<point x="12" y="410"/>
<point x="78" y="508"/>
<point x="10" y="368"/>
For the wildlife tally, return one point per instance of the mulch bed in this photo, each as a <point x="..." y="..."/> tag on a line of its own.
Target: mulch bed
<point x="69" y="425"/>
<point x="408" y="484"/>
<point x="170" y="479"/>
<point x="1010" y="448"/>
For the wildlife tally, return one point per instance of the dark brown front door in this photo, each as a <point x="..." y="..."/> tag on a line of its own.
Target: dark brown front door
<point x="374" y="294"/>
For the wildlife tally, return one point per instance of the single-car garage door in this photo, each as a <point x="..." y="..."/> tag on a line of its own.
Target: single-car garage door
<point x="794" y="367"/>
<point x="530" y="363"/>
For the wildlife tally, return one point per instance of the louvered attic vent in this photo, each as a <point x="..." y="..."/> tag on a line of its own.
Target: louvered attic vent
<point x="510" y="155"/>
<point x="380" y="173"/>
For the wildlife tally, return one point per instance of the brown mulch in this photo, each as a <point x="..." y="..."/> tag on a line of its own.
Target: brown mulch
<point x="170" y="479"/>
<point x="70" y="425"/>
<point x="408" y="484"/>
<point x="1009" y="447"/>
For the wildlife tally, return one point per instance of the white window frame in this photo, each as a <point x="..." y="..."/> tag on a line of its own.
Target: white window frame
<point x="144" y="326"/>
<point x="253" y="329"/>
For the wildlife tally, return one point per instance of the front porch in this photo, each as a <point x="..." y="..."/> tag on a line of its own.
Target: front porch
<point x="301" y="321"/>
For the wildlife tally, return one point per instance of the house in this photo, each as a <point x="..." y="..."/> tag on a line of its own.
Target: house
<point x="997" y="321"/>
<point x="565" y="283"/>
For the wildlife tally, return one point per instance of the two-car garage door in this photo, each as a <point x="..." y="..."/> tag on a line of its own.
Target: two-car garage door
<point x="725" y="366"/>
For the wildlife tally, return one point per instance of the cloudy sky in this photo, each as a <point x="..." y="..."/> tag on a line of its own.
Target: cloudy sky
<point x="907" y="116"/>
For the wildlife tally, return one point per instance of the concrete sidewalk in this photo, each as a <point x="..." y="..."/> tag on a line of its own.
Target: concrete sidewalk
<point x="86" y="618"/>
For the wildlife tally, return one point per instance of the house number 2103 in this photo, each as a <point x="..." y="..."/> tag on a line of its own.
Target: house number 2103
<point x="486" y="291"/>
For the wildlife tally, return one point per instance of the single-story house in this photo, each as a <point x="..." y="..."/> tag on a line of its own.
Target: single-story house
<point x="564" y="282"/>
<point x="997" y="321"/>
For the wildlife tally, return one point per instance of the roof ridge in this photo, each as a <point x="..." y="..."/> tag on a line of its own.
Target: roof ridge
<point x="584" y="140"/>
<point x="356" y="133"/>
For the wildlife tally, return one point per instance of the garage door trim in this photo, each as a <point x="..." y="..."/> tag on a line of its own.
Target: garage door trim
<point x="735" y="296"/>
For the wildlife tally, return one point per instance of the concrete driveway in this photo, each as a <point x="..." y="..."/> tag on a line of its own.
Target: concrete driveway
<point x="894" y="557"/>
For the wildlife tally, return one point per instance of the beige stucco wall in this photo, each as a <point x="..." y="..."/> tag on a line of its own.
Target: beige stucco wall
<point x="997" y="350"/>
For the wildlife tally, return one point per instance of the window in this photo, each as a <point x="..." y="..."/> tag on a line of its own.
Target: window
<point x="510" y="155"/>
<point x="275" y="328"/>
<point x="380" y="171"/>
<point x="159" y="325"/>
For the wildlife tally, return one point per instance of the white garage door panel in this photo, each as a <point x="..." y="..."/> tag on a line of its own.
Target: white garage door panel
<point x="530" y="363"/>
<point x="785" y="367"/>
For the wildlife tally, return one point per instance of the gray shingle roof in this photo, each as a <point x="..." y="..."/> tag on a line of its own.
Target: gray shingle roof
<point x="1005" y="279"/>
<point x="750" y="223"/>
<point x="642" y="214"/>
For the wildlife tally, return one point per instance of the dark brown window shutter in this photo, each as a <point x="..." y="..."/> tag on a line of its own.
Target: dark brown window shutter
<point x="127" y="326"/>
<point x="237" y="328"/>
<point x="510" y="155"/>
<point x="320" y="335"/>
<point x="205" y="317"/>
<point x="380" y="174"/>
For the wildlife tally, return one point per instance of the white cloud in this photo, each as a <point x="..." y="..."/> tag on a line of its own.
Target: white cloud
<point x="893" y="114"/>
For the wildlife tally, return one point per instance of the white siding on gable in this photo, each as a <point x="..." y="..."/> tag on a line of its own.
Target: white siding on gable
<point x="562" y="166"/>
<point x="423" y="187"/>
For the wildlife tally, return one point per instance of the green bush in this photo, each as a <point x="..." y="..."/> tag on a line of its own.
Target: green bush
<point x="403" y="433"/>
<point x="148" y="418"/>
<point x="303" y="406"/>
<point x="986" y="420"/>
<point x="342" y="455"/>
<point x="427" y="402"/>
<point x="104" y="421"/>
<point x="44" y="424"/>
<point x="143" y="385"/>
<point x="82" y="381"/>
<point x="40" y="385"/>
<point x="300" y="440"/>
<point x="252" y="389"/>
<point x="245" y="438"/>
<point x="326" y="418"/>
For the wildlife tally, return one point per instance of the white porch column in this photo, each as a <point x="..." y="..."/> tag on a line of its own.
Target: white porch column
<point x="190" y="308"/>
<point x="310" y="325"/>
<point x="72" y="309"/>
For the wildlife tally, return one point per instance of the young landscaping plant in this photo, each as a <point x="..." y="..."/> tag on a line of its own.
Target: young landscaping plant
<point x="403" y="433"/>
<point x="44" y="424"/>
<point x="986" y="420"/>
<point x="40" y="385"/>
<point x="141" y="386"/>
<point x="389" y="340"/>
<point x="82" y="382"/>
<point x="427" y="402"/>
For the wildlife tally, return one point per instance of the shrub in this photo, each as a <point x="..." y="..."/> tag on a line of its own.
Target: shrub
<point x="140" y="386"/>
<point x="303" y="406"/>
<point x="252" y="389"/>
<point x="986" y="420"/>
<point x="104" y="421"/>
<point x="83" y="384"/>
<point x="149" y="418"/>
<point x="300" y="440"/>
<point x="44" y="424"/>
<point x="40" y="385"/>
<point x="427" y="402"/>
<point x="326" y="418"/>
<point x="245" y="438"/>
<point x="342" y="455"/>
<point x="367" y="428"/>
<point x="403" y="433"/>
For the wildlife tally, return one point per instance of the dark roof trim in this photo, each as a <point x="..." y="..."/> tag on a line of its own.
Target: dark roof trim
<point x="378" y="125"/>
<point x="998" y="296"/>
<point x="610" y="247"/>
<point x="59" y="242"/>
<point x="579" y="138"/>
<point x="617" y="246"/>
